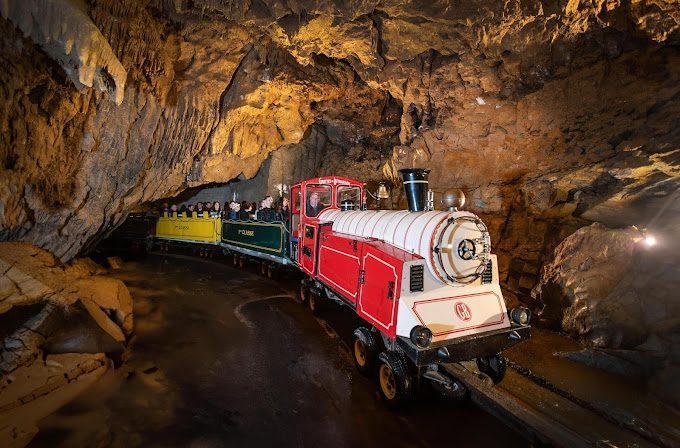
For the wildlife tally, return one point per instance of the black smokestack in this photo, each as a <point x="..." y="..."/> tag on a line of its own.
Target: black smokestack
<point x="415" y="186"/>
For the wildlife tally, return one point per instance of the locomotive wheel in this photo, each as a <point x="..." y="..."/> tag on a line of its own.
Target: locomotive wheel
<point x="365" y="350"/>
<point x="494" y="366"/>
<point x="271" y="271"/>
<point x="234" y="260"/>
<point x="395" y="382"/>
<point x="315" y="303"/>
<point x="241" y="261"/>
<point x="263" y="269"/>
<point x="304" y="293"/>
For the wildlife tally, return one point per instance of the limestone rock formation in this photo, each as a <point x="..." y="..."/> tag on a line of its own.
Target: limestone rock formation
<point x="68" y="35"/>
<point x="56" y="323"/>
<point x="579" y="287"/>
<point x="34" y="391"/>
<point x="610" y="289"/>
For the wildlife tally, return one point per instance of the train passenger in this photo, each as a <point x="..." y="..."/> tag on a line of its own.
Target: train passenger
<point x="165" y="209"/>
<point x="246" y="209"/>
<point x="257" y="209"/>
<point x="313" y="206"/>
<point x="190" y="210"/>
<point x="216" y="211"/>
<point x="182" y="211"/>
<point x="253" y="210"/>
<point x="207" y="205"/>
<point x="199" y="209"/>
<point x="282" y="209"/>
<point x="234" y="208"/>
<point x="173" y="210"/>
<point x="266" y="213"/>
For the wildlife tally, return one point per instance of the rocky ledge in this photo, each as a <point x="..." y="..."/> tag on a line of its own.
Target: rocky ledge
<point x="60" y="326"/>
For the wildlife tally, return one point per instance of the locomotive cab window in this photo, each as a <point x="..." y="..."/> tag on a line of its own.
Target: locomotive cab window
<point x="309" y="232"/>
<point x="318" y="197"/>
<point x="349" y="197"/>
<point x="296" y="197"/>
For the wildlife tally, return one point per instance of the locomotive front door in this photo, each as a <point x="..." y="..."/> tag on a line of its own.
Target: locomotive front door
<point x="308" y="251"/>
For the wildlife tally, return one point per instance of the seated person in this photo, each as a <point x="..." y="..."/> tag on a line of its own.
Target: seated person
<point x="183" y="212"/>
<point x="216" y="211"/>
<point x="245" y="211"/>
<point x="266" y="213"/>
<point x="173" y="210"/>
<point x="313" y="206"/>
<point x="234" y="209"/>
<point x="282" y="209"/>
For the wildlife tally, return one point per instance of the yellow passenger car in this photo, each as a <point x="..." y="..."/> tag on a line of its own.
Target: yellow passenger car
<point x="196" y="230"/>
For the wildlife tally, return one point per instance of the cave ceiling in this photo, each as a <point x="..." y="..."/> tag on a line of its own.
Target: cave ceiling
<point x="110" y="104"/>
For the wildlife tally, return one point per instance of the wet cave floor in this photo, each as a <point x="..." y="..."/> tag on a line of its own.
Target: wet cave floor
<point x="223" y="357"/>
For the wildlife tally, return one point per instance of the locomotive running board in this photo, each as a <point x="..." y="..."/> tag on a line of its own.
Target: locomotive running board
<point x="537" y="427"/>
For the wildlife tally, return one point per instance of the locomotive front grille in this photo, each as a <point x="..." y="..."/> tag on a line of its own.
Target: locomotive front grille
<point x="487" y="275"/>
<point x="417" y="276"/>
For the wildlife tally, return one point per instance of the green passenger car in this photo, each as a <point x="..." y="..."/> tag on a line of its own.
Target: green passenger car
<point x="261" y="239"/>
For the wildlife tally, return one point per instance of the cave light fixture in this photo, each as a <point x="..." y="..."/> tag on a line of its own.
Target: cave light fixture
<point x="650" y="240"/>
<point x="646" y="238"/>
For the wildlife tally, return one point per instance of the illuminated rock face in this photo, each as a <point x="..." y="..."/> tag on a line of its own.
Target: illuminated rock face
<point x="550" y="115"/>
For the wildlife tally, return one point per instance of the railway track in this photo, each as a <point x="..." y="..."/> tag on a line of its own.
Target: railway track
<point x="549" y="416"/>
<point x="637" y="428"/>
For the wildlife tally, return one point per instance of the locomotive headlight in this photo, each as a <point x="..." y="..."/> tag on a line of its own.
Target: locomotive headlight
<point x="520" y="315"/>
<point x="421" y="336"/>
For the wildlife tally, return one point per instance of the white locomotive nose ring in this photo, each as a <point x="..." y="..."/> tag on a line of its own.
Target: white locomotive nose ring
<point x="467" y="249"/>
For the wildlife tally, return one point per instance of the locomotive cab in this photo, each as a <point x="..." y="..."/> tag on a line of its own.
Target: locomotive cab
<point x="311" y="199"/>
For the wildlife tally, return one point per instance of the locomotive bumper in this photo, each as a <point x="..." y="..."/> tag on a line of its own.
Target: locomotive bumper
<point x="467" y="347"/>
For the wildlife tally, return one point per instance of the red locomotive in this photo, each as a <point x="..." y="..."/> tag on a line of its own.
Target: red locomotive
<point x="424" y="281"/>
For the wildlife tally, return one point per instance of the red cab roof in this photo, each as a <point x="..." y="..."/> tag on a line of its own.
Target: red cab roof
<point x="329" y="180"/>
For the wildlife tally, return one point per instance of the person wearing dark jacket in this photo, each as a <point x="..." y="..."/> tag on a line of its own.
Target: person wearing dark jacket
<point x="266" y="213"/>
<point x="246" y="211"/>
<point x="234" y="208"/>
<point x="282" y="209"/>
<point x="313" y="206"/>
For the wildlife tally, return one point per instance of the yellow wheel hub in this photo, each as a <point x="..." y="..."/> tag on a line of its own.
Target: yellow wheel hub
<point x="387" y="382"/>
<point x="360" y="352"/>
